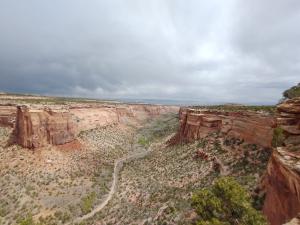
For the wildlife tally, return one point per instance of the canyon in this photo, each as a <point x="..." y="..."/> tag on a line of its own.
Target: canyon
<point x="39" y="125"/>
<point x="75" y="138"/>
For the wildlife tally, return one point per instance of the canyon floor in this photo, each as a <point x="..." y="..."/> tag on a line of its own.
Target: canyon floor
<point x="119" y="175"/>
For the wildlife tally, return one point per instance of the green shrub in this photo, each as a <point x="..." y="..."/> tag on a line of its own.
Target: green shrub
<point x="225" y="203"/>
<point x="278" y="137"/>
<point x="292" y="92"/>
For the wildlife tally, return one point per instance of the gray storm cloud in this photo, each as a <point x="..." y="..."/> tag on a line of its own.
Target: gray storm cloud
<point x="207" y="51"/>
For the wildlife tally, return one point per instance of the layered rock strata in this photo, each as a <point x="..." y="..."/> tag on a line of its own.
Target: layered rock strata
<point x="252" y="127"/>
<point x="7" y="115"/>
<point x="282" y="181"/>
<point x="37" y="126"/>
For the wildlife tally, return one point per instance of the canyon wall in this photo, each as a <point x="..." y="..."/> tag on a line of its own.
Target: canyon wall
<point x="37" y="126"/>
<point x="252" y="127"/>
<point x="92" y="116"/>
<point x="282" y="180"/>
<point x="7" y="115"/>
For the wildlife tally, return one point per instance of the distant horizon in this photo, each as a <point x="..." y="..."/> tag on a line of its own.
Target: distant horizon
<point x="180" y="102"/>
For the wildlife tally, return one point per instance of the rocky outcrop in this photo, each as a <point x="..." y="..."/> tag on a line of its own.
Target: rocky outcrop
<point x="39" y="127"/>
<point x="7" y="115"/>
<point x="252" y="127"/>
<point x="282" y="181"/>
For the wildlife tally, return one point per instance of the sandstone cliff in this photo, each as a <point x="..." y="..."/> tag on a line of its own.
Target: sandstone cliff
<point x="253" y="127"/>
<point x="7" y="115"/>
<point x="282" y="182"/>
<point x="282" y="179"/>
<point x="37" y="126"/>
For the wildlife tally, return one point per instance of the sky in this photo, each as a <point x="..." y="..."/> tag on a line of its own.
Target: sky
<point x="209" y="52"/>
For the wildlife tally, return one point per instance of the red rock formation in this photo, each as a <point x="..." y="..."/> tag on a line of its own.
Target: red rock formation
<point x="282" y="182"/>
<point x="39" y="127"/>
<point x="252" y="127"/>
<point x="196" y="124"/>
<point x="7" y="115"/>
<point x="282" y="186"/>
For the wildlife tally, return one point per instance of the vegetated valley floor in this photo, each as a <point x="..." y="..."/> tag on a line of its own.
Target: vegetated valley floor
<point x="61" y="186"/>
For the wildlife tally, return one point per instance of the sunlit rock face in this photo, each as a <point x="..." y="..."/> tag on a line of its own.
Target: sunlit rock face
<point x="252" y="127"/>
<point x="282" y="182"/>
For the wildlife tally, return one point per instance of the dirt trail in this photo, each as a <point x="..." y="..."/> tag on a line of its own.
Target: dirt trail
<point x="138" y="152"/>
<point x="117" y="168"/>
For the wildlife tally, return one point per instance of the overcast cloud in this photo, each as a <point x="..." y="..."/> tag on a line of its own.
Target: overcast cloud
<point x="209" y="51"/>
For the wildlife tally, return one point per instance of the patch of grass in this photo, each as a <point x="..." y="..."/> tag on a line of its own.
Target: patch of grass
<point x="278" y="137"/>
<point x="28" y="220"/>
<point x="143" y="141"/>
<point x="87" y="202"/>
<point x="202" y="143"/>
